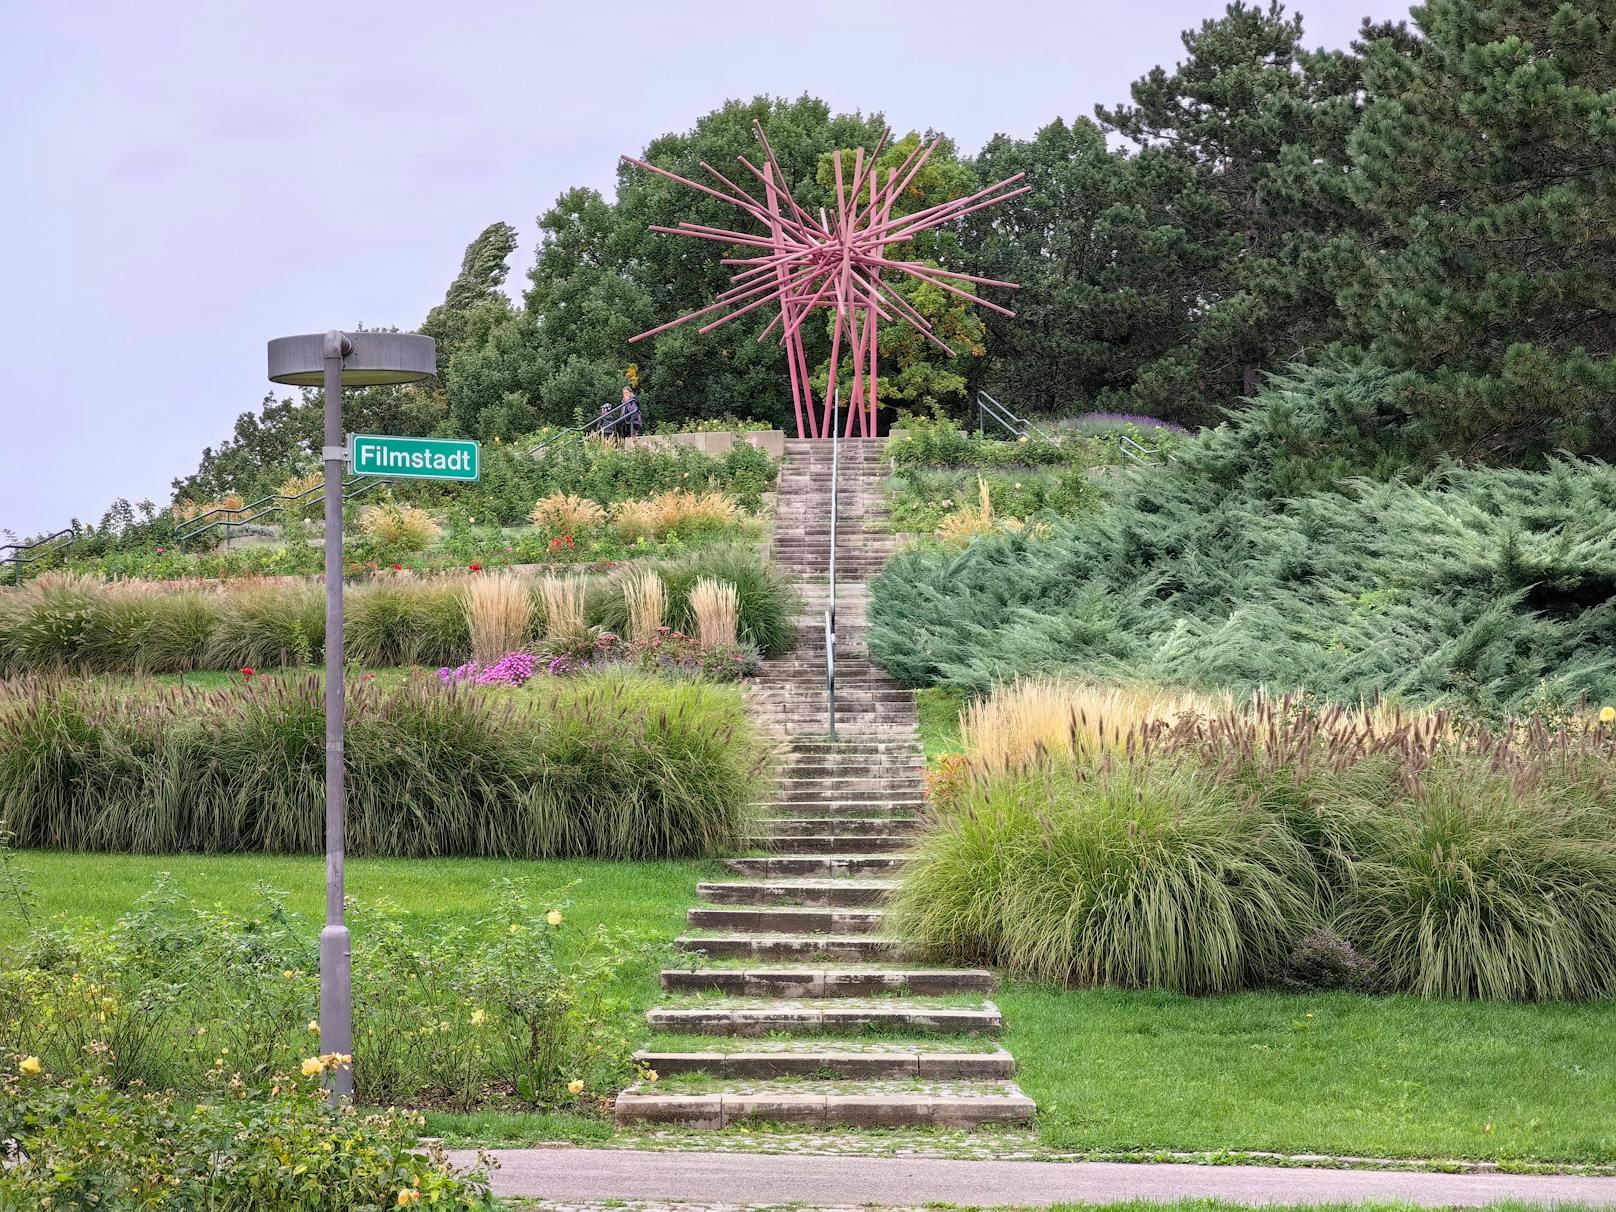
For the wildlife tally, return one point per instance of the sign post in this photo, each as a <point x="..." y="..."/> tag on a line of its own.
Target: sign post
<point x="328" y="361"/>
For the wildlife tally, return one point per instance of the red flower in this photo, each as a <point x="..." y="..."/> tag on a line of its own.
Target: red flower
<point x="475" y="567"/>
<point x="398" y="568"/>
<point x="246" y="673"/>
<point x="160" y="550"/>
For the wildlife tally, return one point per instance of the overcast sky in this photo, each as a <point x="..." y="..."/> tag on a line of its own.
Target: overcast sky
<point x="184" y="181"/>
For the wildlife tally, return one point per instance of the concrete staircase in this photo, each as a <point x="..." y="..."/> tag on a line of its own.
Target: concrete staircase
<point x="796" y="1004"/>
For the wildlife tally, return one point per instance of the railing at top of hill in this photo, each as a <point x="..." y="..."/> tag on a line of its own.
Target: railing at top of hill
<point x="607" y="421"/>
<point x="255" y="511"/>
<point x="989" y="409"/>
<point x="30" y="552"/>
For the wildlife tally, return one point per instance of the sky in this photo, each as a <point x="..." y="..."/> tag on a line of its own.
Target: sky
<point x="186" y="180"/>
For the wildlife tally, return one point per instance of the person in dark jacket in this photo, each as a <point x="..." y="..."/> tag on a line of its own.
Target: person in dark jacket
<point x="633" y="422"/>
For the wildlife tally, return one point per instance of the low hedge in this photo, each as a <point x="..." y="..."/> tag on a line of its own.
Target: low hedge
<point x="609" y="765"/>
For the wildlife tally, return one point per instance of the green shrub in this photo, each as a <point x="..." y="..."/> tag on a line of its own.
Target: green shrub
<point x="405" y="623"/>
<point x="262" y="628"/>
<point x="1479" y="886"/>
<point x="607" y="765"/>
<point x="767" y="602"/>
<point x="1122" y="874"/>
<point x="272" y="1145"/>
<point x="1281" y="551"/>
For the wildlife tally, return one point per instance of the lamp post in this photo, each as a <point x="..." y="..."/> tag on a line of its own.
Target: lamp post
<point x="359" y="359"/>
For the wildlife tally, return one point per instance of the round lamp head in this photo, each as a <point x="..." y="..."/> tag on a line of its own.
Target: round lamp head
<point x="368" y="358"/>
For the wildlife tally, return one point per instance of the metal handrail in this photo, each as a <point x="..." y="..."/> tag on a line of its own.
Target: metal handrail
<point x="353" y="487"/>
<point x="835" y="506"/>
<point x="614" y="418"/>
<point x="1138" y="452"/>
<point x="17" y="559"/>
<point x="1016" y="427"/>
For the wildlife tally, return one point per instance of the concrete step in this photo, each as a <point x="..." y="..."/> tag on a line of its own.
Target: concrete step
<point x="784" y="948"/>
<point x="843" y="980"/>
<point x="844" y="844"/>
<point x="834" y="1059"/>
<point x="783" y="828"/>
<point x="753" y="1017"/>
<point x="897" y="1103"/>
<point x="825" y="893"/>
<point x="818" y="866"/>
<point x="780" y="919"/>
<point x="821" y="808"/>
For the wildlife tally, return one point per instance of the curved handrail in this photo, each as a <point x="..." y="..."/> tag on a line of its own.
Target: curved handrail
<point x="609" y="420"/>
<point x="18" y="558"/>
<point x="1016" y="427"/>
<point x="275" y="502"/>
<point x="1138" y="452"/>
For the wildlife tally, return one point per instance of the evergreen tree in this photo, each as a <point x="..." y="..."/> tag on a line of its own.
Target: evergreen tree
<point x="1243" y="146"/>
<point x="1489" y="159"/>
<point x="1094" y="254"/>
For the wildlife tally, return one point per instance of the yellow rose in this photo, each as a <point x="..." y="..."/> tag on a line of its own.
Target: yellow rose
<point x="575" y="1086"/>
<point x="553" y="917"/>
<point x="406" y="1197"/>
<point x="312" y="1067"/>
<point x="29" y="1065"/>
<point x="650" y="1075"/>
<point x="314" y="1027"/>
<point x="1607" y="715"/>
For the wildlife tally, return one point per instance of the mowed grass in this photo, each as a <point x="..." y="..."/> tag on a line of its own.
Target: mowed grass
<point x="1116" y="1070"/>
<point x="939" y="708"/>
<point x="645" y="899"/>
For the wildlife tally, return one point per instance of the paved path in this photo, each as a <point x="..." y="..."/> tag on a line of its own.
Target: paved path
<point x="583" y="1176"/>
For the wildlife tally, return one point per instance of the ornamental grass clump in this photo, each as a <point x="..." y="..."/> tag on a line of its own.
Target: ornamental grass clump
<point x="1122" y="874"/>
<point x="499" y="615"/>
<point x="716" y="607"/>
<point x="406" y="622"/>
<point x="564" y="513"/>
<point x="1433" y="855"/>
<point x="564" y="601"/>
<point x="399" y="527"/>
<point x="261" y="627"/>
<point x="603" y="765"/>
<point x="646" y="600"/>
<point x="1479" y="885"/>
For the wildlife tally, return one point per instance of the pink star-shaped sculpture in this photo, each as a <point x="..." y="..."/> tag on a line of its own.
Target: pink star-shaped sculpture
<point x="805" y="263"/>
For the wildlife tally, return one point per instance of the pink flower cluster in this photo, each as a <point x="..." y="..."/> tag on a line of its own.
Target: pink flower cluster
<point x="512" y="669"/>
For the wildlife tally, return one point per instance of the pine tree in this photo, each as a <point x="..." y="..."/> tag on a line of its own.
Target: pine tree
<point x="1245" y="145"/>
<point x="1489" y="157"/>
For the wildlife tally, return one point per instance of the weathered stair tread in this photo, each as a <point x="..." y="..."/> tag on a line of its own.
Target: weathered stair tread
<point x="822" y="865"/>
<point x="832" y="980"/>
<point x="812" y="893"/>
<point x="872" y="1104"/>
<point x="834" y="1060"/>
<point x="763" y="1016"/>
<point x="786" y="919"/>
<point x="791" y="946"/>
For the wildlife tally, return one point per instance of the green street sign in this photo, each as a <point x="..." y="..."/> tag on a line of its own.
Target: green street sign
<point x="413" y="458"/>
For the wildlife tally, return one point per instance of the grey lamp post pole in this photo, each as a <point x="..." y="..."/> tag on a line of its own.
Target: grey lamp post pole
<point x="336" y="947"/>
<point x="329" y="361"/>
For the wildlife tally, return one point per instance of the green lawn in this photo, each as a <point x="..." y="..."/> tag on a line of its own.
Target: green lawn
<point x="646" y="899"/>
<point x="1333" y="1073"/>
<point x="939" y="709"/>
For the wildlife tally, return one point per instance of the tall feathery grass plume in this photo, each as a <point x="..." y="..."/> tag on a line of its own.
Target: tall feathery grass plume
<point x="499" y="615"/>
<point x="563" y="598"/>
<point x="717" y="609"/>
<point x="647" y="600"/>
